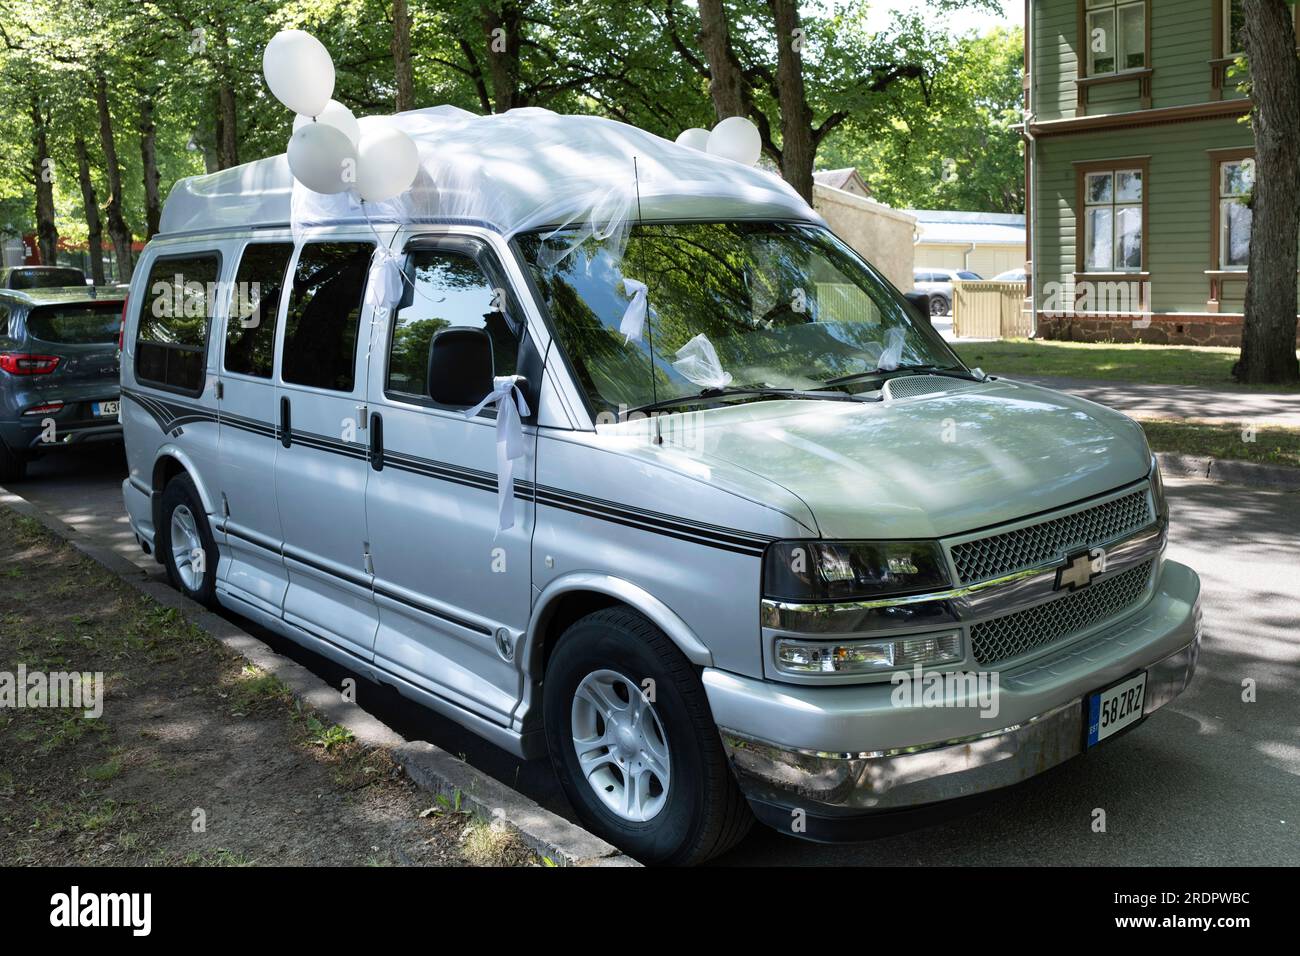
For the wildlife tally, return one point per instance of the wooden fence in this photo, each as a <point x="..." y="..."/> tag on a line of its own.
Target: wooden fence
<point x="989" y="310"/>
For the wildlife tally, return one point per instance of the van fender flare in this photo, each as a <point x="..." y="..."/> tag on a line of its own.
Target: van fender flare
<point x="635" y="596"/>
<point x="170" y="450"/>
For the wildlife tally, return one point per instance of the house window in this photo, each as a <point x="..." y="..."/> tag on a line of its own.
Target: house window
<point x="1117" y="35"/>
<point x="1113" y="220"/>
<point x="1234" y="18"/>
<point x="1236" y="181"/>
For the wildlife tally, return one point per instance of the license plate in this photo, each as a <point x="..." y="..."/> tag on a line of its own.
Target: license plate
<point x="1116" y="707"/>
<point x="103" y="408"/>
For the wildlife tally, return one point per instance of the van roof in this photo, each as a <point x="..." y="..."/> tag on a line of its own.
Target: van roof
<point x="513" y="171"/>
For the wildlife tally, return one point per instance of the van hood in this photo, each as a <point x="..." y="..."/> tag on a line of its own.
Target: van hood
<point x="937" y="465"/>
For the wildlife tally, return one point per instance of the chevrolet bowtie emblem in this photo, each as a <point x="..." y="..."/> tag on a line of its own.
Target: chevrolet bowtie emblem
<point x="1077" y="572"/>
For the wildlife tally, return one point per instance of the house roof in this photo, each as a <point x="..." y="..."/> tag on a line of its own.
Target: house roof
<point x="517" y="170"/>
<point x="942" y="227"/>
<point x="842" y="179"/>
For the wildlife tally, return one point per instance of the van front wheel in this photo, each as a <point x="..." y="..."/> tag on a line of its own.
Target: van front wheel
<point x="185" y="542"/>
<point x="634" y="744"/>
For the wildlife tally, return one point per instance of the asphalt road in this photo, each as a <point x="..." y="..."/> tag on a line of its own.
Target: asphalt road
<point x="1209" y="780"/>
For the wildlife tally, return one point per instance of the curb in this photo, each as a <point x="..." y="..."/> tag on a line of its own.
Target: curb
<point x="1246" y="473"/>
<point x="429" y="767"/>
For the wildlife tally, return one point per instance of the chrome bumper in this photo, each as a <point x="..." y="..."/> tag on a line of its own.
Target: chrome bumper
<point x="849" y="751"/>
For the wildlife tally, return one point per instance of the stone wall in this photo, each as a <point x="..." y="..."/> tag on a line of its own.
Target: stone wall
<point x="881" y="235"/>
<point x="1176" y="329"/>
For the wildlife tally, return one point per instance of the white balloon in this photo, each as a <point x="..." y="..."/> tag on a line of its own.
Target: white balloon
<point x="694" y="137"/>
<point x="736" y="138"/>
<point x="334" y="114"/>
<point x="299" y="71"/>
<point x="387" y="162"/>
<point x="322" y="158"/>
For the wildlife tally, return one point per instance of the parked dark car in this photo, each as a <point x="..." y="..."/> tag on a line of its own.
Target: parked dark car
<point x="58" y="372"/>
<point x="41" y="277"/>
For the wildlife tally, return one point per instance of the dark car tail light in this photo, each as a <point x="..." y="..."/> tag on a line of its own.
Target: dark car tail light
<point x="22" y="363"/>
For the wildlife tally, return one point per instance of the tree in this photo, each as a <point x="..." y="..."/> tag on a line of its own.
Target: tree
<point x="1268" y="334"/>
<point x="957" y="149"/>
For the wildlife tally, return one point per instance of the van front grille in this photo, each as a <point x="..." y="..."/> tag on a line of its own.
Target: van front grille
<point x="1003" y="638"/>
<point x="1012" y="551"/>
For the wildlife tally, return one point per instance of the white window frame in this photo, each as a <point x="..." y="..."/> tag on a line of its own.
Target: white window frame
<point x="1116" y="207"/>
<point x="1113" y="8"/>
<point x="1226" y="201"/>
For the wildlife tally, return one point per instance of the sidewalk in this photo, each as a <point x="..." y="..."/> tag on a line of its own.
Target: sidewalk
<point x="1222" y="406"/>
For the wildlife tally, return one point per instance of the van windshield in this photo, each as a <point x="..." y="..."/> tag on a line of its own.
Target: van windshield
<point x="729" y="304"/>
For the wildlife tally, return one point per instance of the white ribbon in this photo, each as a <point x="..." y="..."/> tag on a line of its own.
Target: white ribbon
<point x="511" y="408"/>
<point x="634" y="316"/>
<point x="384" y="284"/>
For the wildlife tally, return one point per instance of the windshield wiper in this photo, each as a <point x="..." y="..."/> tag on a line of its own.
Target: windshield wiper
<point x="711" y="395"/>
<point x="951" y="371"/>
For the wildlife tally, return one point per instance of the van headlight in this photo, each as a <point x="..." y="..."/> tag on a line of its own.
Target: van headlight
<point x="822" y="571"/>
<point x="805" y="658"/>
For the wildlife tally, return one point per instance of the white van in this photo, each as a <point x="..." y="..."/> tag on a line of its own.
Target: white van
<point x="769" y="548"/>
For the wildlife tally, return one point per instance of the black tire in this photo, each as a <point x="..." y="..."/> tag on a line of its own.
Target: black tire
<point x="12" y="467"/>
<point x="180" y="491"/>
<point x="704" y="812"/>
<point x="938" y="305"/>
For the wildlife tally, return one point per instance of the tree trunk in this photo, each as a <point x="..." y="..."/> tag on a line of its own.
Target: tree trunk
<point x="149" y="164"/>
<point x="798" y="147"/>
<point x="503" y="25"/>
<point x="117" y="228"/>
<point x="89" y="199"/>
<point x="47" y="234"/>
<point x="1268" y="335"/>
<point x="227" y="142"/>
<point x="726" y="78"/>
<point x="401" y="48"/>
<point x="226" y="126"/>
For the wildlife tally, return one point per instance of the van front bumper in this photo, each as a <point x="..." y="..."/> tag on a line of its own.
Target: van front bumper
<point x="838" y="753"/>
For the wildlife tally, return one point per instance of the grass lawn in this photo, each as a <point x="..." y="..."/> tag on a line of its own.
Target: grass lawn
<point x="1270" y="446"/>
<point x="1155" y="364"/>
<point x="196" y="757"/>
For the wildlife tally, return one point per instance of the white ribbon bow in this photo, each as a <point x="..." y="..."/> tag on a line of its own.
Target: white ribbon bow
<point x="511" y="408"/>
<point x="634" y="316"/>
<point x="384" y="284"/>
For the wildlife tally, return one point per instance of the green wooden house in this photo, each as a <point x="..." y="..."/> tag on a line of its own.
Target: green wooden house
<point x="1139" y="169"/>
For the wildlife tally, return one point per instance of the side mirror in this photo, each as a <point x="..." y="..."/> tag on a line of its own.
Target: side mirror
<point x="460" y="366"/>
<point x="921" y="302"/>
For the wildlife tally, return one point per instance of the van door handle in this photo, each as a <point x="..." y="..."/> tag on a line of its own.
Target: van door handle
<point x="376" y="441"/>
<point x="286" y="423"/>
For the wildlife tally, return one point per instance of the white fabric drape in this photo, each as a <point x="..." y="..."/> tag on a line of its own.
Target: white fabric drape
<point x="511" y="409"/>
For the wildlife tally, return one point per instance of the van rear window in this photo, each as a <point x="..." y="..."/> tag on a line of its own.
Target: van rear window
<point x="175" y="316"/>
<point x="76" y="324"/>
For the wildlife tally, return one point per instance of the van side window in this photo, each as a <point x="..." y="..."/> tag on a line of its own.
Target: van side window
<point x="171" y="340"/>
<point x="320" y="336"/>
<point x="254" y="305"/>
<point x="450" y="289"/>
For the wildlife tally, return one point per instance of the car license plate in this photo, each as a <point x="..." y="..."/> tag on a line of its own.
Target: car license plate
<point x="1116" y="707"/>
<point x="103" y="408"/>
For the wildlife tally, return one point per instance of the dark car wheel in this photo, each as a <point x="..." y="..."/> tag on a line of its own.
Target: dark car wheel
<point x="938" y="304"/>
<point x="185" y="542"/>
<point x="634" y="744"/>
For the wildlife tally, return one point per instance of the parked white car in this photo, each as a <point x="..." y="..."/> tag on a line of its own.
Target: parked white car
<point x="937" y="283"/>
<point x="742" y="512"/>
<point x="1011" y="275"/>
